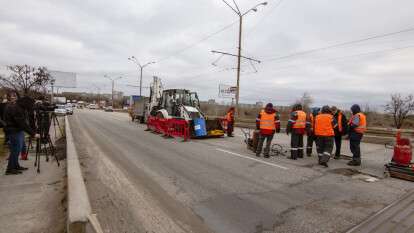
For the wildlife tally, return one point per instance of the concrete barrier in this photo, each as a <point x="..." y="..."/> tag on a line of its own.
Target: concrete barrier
<point x="80" y="217"/>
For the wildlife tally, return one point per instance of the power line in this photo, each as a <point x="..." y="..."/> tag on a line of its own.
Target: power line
<point x="334" y="60"/>
<point x="198" y="42"/>
<point x="339" y="45"/>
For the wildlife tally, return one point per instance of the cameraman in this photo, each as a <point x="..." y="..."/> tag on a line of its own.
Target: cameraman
<point x="16" y="121"/>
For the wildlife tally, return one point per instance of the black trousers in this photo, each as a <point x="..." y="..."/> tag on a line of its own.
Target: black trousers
<point x="230" y="127"/>
<point x="338" y="144"/>
<point x="309" y="144"/>
<point x="354" y="144"/>
<point x="262" y="138"/>
<point x="324" y="148"/>
<point x="296" y="145"/>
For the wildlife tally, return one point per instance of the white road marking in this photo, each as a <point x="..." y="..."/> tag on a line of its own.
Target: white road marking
<point x="256" y="160"/>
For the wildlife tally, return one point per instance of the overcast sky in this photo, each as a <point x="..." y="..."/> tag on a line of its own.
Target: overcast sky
<point x="93" y="38"/>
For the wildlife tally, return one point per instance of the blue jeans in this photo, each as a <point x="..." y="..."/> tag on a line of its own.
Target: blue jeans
<point x="16" y="146"/>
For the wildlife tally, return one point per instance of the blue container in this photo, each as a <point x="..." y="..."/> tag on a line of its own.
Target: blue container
<point x="200" y="127"/>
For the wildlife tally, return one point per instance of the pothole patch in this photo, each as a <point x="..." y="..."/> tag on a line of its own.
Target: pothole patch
<point x="354" y="174"/>
<point x="345" y="171"/>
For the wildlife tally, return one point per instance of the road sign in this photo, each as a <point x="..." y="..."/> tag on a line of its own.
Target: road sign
<point x="227" y="91"/>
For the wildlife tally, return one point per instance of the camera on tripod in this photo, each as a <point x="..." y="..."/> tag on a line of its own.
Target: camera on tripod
<point x="44" y="115"/>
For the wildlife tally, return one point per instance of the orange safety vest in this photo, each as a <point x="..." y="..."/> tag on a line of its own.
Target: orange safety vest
<point x="229" y="117"/>
<point x="340" y="122"/>
<point x="362" y="127"/>
<point x="267" y="120"/>
<point x="300" y="123"/>
<point x="323" y="125"/>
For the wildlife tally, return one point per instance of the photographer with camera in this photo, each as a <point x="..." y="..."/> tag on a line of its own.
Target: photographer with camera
<point x="16" y="120"/>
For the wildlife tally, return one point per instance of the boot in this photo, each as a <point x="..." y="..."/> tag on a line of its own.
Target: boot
<point x="337" y="157"/>
<point x="325" y="164"/>
<point x="20" y="168"/>
<point x="294" y="154"/>
<point x="354" y="162"/>
<point x="13" y="172"/>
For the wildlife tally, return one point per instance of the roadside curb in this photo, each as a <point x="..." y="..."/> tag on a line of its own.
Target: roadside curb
<point x="80" y="216"/>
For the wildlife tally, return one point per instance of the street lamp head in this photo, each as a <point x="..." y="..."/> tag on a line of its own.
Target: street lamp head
<point x="254" y="9"/>
<point x="133" y="57"/>
<point x="264" y="3"/>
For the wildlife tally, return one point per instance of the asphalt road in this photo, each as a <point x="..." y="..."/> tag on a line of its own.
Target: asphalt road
<point x="141" y="182"/>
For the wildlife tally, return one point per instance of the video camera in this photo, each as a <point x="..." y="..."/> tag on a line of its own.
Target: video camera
<point x="44" y="107"/>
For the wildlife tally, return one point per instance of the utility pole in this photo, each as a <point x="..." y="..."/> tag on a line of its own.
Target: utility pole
<point x="113" y="86"/>
<point x="236" y="10"/>
<point x="141" y="67"/>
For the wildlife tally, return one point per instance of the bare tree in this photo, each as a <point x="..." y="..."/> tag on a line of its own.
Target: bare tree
<point x="306" y="101"/>
<point x="400" y="108"/>
<point x="26" y="79"/>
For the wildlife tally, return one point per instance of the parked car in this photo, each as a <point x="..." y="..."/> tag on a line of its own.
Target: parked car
<point x="69" y="110"/>
<point x="61" y="110"/>
<point x="109" y="109"/>
<point x="93" y="106"/>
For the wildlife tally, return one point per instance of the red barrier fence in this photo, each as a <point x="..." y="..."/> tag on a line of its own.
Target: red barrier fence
<point x="170" y="127"/>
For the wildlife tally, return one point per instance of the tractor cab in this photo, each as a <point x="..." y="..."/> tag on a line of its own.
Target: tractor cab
<point x="180" y="103"/>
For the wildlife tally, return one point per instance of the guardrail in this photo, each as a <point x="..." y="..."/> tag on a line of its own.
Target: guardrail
<point x="80" y="216"/>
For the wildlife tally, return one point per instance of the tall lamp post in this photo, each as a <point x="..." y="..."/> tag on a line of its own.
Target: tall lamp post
<point x="236" y="10"/>
<point x="52" y="83"/>
<point x="113" y="85"/>
<point x="135" y="60"/>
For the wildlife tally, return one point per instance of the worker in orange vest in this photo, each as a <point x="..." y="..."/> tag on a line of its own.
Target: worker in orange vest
<point x="340" y="130"/>
<point x="230" y="122"/>
<point x="268" y="123"/>
<point x="296" y="127"/>
<point x="324" y="131"/>
<point x="357" y="127"/>
<point x="310" y="132"/>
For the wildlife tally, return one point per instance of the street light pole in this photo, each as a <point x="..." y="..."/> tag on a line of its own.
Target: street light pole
<point x="113" y="86"/>
<point x="236" y="10"/>
<point x="135" y="60"/>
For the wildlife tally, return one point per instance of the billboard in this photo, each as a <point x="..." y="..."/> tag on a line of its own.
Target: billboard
<point x="227" y="91"/>
<point x="63" y="79"/>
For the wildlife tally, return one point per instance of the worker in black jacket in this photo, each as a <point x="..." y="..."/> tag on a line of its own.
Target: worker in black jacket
<point x="340" y="130"/>
<point x="16" y="121"/>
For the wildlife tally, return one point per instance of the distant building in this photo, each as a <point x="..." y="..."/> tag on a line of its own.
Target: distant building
<point x="211" y="101"/>
<point x="259" y="104"/>
<point x="118" y="95"/>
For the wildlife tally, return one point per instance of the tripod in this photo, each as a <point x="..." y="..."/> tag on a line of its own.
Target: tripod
<point x="44" y="143"/>
<point x="56" y="122"/>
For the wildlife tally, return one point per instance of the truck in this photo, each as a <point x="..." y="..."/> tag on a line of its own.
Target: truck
<point x="138" y="108"/>
<point x="181" y="104"/>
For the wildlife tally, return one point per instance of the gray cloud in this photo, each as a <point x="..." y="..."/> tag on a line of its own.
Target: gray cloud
<point x="96" y="37"/>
